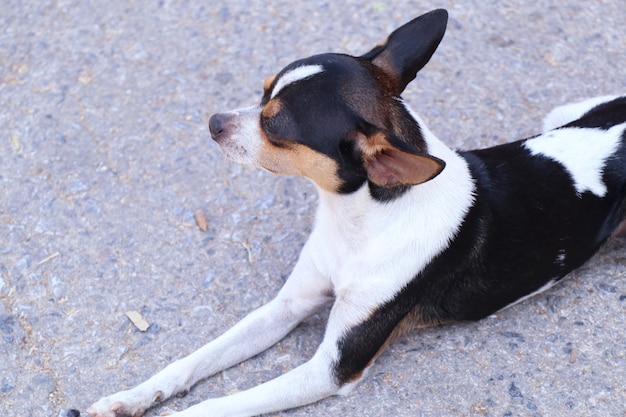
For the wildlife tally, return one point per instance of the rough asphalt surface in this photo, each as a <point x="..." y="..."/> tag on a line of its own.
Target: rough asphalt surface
<point x="105" y="157"/>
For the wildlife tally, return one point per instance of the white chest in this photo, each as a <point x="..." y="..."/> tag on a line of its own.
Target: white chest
<point x="379" y="247"/>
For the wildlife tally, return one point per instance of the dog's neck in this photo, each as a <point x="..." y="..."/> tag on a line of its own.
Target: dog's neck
<point x="438" y="206"/>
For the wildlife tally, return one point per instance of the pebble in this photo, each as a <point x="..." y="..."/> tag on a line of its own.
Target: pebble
<point x="514" y="391"/>
<point x="69" y="413"/>
<point x="6" y="385"/>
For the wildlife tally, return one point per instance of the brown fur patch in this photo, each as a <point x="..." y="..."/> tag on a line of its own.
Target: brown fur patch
<point x="272" y="108"/>
<point x="620" y="231"/>
<point x="297" y="159"/>
<point x="268" y="82"/>
<point x="373" y="144"/>
<point x="413" y="321"/>
<point x="382" y="43"/>
<point x="383" y="61"/>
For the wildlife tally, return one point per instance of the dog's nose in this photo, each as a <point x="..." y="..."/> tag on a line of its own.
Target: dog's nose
<point x="216" y="126"/>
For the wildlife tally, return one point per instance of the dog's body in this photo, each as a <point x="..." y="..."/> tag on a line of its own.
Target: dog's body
<point x="408" y="232"/>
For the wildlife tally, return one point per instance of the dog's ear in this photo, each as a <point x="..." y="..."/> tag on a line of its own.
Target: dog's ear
<point x="390" y="163"/>
<point x="409" y="48"/>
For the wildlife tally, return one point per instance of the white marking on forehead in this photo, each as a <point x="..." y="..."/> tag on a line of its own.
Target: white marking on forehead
<point x="295" y="75"/>
<point x="583" y="152"/>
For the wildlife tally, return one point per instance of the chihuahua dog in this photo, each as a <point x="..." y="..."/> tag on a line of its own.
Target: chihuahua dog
<point x="408" y="232"/>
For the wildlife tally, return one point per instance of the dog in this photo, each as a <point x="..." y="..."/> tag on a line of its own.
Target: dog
<point x="408" y="232"/>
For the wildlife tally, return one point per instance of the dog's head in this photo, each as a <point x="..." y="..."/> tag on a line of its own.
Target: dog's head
<point x="338" y="119"/>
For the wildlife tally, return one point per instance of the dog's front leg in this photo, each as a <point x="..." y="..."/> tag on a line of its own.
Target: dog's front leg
<point x="329" y="372"/>
<point x="304" y="293"/>
<point x="306" y="384"/>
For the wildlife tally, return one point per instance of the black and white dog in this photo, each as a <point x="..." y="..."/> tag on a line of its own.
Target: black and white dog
<point x="408" y="232"/>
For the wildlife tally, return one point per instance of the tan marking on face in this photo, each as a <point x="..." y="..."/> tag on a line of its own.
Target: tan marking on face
<point x="272" y="108"/>
<point x="300" y="160"/>
<point x="372" y="145"/>
<point x="268" y="82"/>
<point x="383" y="42"/>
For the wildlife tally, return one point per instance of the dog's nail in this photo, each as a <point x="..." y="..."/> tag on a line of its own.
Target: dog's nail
<point x="182" y="394"/>
<point x="158" y="397"/>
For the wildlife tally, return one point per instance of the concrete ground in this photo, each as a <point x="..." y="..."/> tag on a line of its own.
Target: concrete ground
<point x="105" y="157"/>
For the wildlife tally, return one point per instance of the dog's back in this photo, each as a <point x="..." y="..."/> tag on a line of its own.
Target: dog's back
<point x="543" y="207"/>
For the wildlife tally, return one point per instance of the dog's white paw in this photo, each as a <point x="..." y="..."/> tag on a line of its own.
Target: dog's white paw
<point x="121" y="404"/>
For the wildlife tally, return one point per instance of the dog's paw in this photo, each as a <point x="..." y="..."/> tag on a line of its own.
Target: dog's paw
<point x="122" y="404"/>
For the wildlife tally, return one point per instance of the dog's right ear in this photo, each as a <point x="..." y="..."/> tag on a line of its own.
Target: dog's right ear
<point x="409" y="48"/>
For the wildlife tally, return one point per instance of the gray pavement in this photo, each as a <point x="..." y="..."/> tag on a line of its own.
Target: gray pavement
<point x="105" y="157"/>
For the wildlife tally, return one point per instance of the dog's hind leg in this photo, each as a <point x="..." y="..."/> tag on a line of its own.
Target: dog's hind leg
<point x="620" y="231"/>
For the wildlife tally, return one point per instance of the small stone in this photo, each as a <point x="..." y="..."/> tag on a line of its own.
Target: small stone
<point x="514" y="391"/>
<point x="6" y="385"/>
<point x="200" y="218"/>
<point x="611" y="289"/>
<point x="85" y="77"/>
<point x="69" y="413"/>
<point x="20" y="68"/>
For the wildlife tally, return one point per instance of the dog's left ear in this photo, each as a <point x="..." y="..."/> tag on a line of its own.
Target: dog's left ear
<point x="409" y="48"/>
<point x="390" y="163"/>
